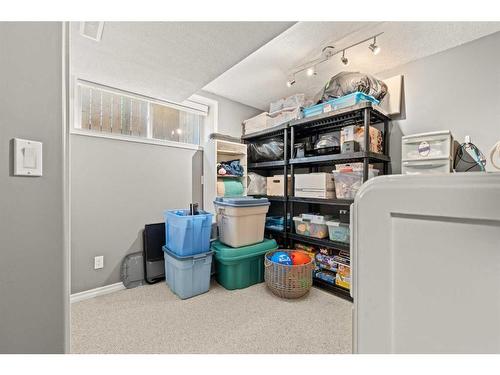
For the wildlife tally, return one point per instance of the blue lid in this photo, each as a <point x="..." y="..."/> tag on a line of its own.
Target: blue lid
<point x="241" y="202"/>
<point x="194" y="256"/>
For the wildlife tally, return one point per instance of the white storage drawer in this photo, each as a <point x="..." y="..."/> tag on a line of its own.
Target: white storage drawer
<point x="315" y="185"/>
<point x="427" y="146"/>
<point x="431" y="166"/>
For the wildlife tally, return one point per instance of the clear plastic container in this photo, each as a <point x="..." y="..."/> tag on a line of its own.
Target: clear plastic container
<point x="339" y="103"/>
<point x="347" y="184"/>
<point x="311" y="225"/>
<point x="338" y="231"/>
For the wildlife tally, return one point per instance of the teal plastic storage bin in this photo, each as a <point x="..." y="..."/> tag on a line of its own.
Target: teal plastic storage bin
<point x="338" y="103"/>
<point x="187" y="234"/>
<point x="240" y="267"/>
<point x="187" y="276"/>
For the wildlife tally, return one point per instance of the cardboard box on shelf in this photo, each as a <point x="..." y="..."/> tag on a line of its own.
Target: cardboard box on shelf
<point x="356" y="133"/>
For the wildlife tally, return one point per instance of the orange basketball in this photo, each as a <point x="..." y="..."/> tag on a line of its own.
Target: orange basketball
<point x="298" y="257"/>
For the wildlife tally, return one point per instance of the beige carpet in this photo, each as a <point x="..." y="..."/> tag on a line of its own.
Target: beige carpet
<point x="151" y="319"/>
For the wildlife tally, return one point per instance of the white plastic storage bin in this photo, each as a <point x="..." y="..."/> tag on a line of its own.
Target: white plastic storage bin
<point x="255" y="124"/>
<point x="338" y="231"/>
<point x="187" y="276"/>
<point x="315" y="185"/>
<point x="431" y="166"/>
<point x="311" y="225"/>
<point x="241" y="221"/>
<point x="347" y="184"/>
<point x="432" y="145"/>
<point x="276" y="185"/>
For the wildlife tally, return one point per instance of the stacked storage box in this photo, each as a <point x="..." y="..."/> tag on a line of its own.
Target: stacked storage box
<point x="187" y="253"/>
<point x="239" y="253"/>
<point x="427" y="153"/>
<point x="315" y="185"/>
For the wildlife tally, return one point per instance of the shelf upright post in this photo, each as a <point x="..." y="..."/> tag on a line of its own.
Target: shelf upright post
<point x="292" y="179"/>
<point x="386" y="144"/>
<point x="285" y="183"/>
<point x="366" y="159"/>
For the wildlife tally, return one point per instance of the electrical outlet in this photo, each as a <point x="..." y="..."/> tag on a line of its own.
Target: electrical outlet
<point x="98" y="262"/>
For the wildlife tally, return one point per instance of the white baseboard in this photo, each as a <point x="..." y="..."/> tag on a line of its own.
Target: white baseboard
<point x="87" y="294"/>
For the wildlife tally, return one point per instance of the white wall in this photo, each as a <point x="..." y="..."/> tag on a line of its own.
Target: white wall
<point x="458" y="89"/>
<point x="33" y="294"/>
<point x="231" y="114"/>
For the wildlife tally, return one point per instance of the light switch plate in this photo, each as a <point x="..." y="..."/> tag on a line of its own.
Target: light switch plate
<point x="27" y="157"/>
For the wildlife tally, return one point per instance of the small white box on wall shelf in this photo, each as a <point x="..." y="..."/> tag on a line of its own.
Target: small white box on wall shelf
<point x="27" y="158"/>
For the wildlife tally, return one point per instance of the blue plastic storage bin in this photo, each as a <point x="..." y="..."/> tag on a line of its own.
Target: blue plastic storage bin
<point x="187" y="234"/>
<point x="338" y="103"/>
<point x="187" y="276"/>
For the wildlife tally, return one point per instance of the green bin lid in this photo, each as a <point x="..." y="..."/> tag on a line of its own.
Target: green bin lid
<point x="227" y="253"/>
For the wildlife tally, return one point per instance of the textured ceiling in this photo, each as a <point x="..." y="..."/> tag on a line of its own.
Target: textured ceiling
<point x="261" y="77"/>
<point x="169" y="60"/>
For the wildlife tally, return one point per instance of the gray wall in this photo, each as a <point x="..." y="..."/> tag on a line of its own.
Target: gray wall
<point x="32" y="268"/>
<point x="116" y="188"/>
<point x="231" y="114"/>
<point x="457" y="90"/>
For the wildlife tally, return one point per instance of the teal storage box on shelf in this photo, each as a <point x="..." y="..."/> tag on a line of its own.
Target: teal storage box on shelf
<point x="187" y="234"/>
<point x="338" y="103"/>
<point x="187" y="276"/>
<point x="240" y="267"/>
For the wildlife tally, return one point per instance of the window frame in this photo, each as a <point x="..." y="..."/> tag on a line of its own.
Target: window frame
<point x="198" y="105"/>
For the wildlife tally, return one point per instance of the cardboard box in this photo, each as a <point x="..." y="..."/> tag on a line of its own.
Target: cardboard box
<point x="357" y="133"/>
<point x="276" y="185"/>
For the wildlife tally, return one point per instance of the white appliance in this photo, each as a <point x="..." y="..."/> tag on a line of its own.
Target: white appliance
<point x="425" y="252"/>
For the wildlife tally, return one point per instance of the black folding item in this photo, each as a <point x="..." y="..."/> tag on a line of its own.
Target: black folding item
<point x="154" y="263"/>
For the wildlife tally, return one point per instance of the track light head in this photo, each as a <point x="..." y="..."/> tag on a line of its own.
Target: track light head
<point x="290" y="82"/>
<point x="344" y="59"/>
<point x="374" y="47"/>
<point x="311" y="71"/>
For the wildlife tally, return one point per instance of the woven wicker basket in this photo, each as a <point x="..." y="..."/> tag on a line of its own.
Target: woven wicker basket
<point x="288" y="281"/>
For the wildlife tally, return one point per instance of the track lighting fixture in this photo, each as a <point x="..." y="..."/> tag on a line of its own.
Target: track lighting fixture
<point x="326" y="54"/>
<point x="344" y="59"/>
<point x="374" y="47"/>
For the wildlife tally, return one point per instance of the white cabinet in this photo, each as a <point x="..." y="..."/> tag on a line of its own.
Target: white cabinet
<point x="215" y="151"/>
<point x="426" y="264"/>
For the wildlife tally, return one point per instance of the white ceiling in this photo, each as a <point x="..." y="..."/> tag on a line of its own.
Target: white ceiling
<point x="261" y="77"/>
<point x="169" y="60"/>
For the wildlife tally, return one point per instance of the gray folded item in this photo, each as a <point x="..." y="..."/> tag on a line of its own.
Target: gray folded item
<point x="224" y="137"/>
<point x="345" y="83"/>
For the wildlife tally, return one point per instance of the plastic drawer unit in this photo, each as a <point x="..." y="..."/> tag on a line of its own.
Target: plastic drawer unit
<point x="241" y="221"/>
<point x="434" y="145"/>
<point x="238" y="268"/>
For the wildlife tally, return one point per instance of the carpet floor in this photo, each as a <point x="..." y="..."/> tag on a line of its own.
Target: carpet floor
<point x="151" y="319"/>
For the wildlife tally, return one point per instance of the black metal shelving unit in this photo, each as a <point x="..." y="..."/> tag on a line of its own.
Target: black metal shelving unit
<point x="268" y="168"/>
<point x="364" y="114"/>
